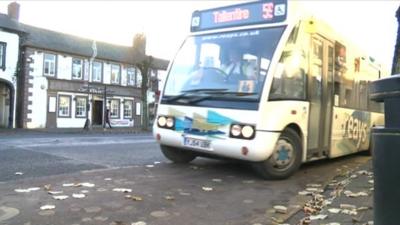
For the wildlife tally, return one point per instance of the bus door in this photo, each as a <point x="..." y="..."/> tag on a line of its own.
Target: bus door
<point x="320" y="87"/>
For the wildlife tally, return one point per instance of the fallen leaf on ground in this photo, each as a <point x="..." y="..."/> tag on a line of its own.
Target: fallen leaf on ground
<point x="134" y="197"/>
<point x="47" y="207"/>
<point x="334" y="210"/>
<point x="280" y="209"/>
<point x="207" y="188"/>
<point x="318" y="217"/>
<point x="47" y="187"/>
<point x="74" y="195"/>
<point x="216" y="180"/>
<point x="347" y="206"/>
<point x="138" y="223"/>
<point x="170" y="198"/>
<point x="124" y="190"/>
<point x="305" y="193"/>
<point x="60" y="197"/>
<point x="319" y="190"/>
<point x="27" y="190"/>
<point x="86" y="184"/>
<point x="314" y="185"/>
<point x="54" y="192"/>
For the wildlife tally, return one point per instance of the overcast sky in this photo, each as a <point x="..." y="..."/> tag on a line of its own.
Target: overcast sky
<point x="370" y="24"/>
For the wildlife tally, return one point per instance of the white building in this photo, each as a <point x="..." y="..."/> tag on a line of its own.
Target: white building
<point x="9" y="53"/>
<point x="60" y="84"/>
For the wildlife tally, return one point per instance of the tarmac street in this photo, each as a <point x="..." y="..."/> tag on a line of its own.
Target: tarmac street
<point x="111" y="178"/>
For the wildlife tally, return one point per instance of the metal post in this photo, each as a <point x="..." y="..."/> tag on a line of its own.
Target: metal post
<point x="88" y="125"/>
<point x="104" y="106"/>
<point x="386" y="152"/>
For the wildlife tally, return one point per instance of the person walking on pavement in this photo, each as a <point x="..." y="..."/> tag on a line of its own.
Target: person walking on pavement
<point x="108" y="118"/>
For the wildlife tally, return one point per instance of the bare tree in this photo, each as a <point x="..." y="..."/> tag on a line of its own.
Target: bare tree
<point x="145" y="67"/>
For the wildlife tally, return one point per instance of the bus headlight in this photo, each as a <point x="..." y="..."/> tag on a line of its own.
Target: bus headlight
<point x="170" y="122"/>
<point x="166" y="122"/>
<point x="243" y="131"/>
<point x="247" y="131"/>
<point x="162" y="121"/>
<point x="236" y="130"/>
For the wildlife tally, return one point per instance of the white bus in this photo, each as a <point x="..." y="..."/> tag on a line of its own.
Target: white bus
<point x="257" y="84"/>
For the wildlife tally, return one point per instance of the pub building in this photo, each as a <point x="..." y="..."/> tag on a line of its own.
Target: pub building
<point x="62" y="76"/>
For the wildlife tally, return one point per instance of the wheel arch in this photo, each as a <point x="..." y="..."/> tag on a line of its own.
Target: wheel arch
<point x="295" y="127"/>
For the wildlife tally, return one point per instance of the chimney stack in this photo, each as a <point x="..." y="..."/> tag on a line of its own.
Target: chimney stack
<point x="13" y="10"/>
<point x="139" y="42"/>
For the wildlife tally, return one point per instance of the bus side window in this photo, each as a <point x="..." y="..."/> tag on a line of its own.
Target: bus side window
<point x="289" y="79"/>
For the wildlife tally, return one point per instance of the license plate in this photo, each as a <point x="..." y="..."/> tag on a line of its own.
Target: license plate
<point x="197" y="143"/>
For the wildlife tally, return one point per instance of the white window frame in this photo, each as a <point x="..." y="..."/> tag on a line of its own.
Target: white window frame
<point x="117" y="77"/>
<point x="99" y="72"/>
<point x="80" y="108"/>
<point x="74" y="65"/>
<point x="50" y="65"/>
<point x="68" y="114"/>
<point x="130" y="81"/>
<point x="128" y="114"/>
<point x="115" y="108"/>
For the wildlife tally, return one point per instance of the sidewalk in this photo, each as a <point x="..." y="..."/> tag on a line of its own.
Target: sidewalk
<point x="347" y="199"/>
<point x="94" y="130"/>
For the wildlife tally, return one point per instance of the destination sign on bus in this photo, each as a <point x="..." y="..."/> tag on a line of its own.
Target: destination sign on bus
<point x="273" y="11"/>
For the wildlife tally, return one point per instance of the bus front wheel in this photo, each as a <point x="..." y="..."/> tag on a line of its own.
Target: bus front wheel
<point x="177" y="155"/>
<point x="285" y="159"/>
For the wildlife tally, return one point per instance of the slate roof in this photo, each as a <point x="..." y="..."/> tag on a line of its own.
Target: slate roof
<point x="66" y="43"/>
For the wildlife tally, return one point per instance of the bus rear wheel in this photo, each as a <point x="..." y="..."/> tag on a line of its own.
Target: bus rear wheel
<point x="177" y="155"/>
<point x="285" y="159"/>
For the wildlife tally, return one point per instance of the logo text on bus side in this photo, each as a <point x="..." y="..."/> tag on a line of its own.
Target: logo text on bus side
<point x="355" y="130"/>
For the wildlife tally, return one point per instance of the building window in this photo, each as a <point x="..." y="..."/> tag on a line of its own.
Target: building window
<point x="64" y="106"/>
<point x="115" y="74"/>
<point x="97" y="71"/>
<point x="128" y="104"/>
<point x="80" y="107"/>
<point x="49" y="64"/>
<point x="138" y="78"/>
<point x="77" y="69"/>
<point x="3" y="47"/>
<point x="131" y="72"/>
<point x="114" y="111"/>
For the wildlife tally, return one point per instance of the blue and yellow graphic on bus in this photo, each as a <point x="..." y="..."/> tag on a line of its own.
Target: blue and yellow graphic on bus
<point x="211" y="125"/>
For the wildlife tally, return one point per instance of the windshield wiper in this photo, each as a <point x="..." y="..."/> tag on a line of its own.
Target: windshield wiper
<point x="190" y="92"/>
<point x="237" y="93"/>
<point x="206" y="93"/>
<point x="205" y="90"/>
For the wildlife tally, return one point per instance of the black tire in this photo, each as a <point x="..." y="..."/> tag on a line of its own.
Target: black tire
<point x="177" y="155"/>
<point x="276" y="168"/>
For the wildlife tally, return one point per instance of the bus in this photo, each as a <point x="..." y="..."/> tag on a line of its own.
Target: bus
<point x="264" y="83"/>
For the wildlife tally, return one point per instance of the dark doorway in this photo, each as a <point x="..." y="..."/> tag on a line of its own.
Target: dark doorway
<point x="6" y="104"/>
<point x="97" y="112"/>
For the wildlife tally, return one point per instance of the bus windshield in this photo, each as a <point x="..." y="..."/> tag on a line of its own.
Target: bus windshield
<point x="228" y="65"/>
